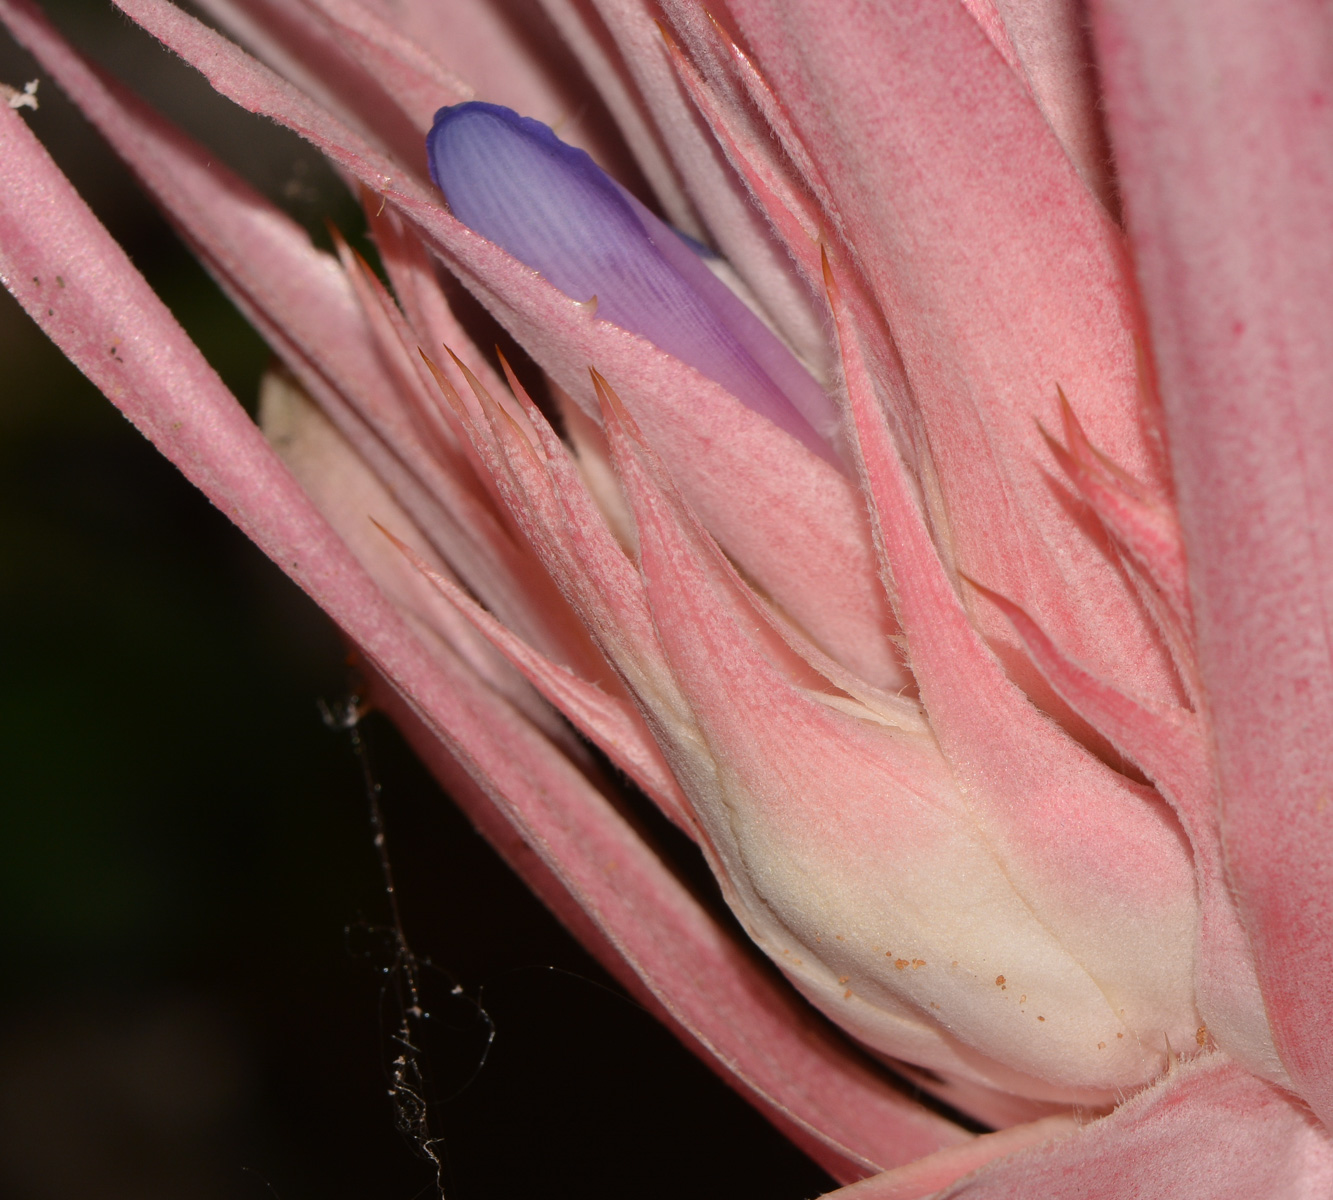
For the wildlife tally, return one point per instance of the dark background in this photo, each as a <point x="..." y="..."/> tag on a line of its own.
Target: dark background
<point x="193" y="996"/>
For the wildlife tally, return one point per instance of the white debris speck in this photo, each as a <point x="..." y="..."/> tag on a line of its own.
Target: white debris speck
<point x="27" y="98"/>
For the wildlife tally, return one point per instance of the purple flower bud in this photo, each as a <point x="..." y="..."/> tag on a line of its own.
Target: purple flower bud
<point x="512" y="180"/>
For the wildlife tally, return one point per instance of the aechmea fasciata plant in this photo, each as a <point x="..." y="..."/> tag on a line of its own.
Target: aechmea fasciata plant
<point x="931" y="518"/>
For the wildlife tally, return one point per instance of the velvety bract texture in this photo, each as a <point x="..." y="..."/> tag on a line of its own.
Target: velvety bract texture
<point x="967" y="611"/>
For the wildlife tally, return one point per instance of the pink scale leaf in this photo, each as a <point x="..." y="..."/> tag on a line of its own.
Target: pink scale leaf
<point x="1142" y="524"/>
<point x="301" y="43"/>
<point x="1052" y="50"/>
<point x="309" y="313"/>
<point x="417" y="82"/>
<point x="1000" y="276"/>
<point x="791" y="520"/>
<point x="549" y="502"/>
<point x="390" y="60"/>
<point x="1169" y="746"/>
<point x="823" y="821"/>
<point x="412" y="274"/>
<point x="603" y="61"/>
<point x="745" y="137"/>
<point x="612" y="725"/>
<point x="551" y="507"/>
<point x="511" y="52"/>
<point x="352" y="499"/>
<point x="987" y="15"/>
<point x="1223" y="125"/>
<point x="928" y="1177"/>
<point x="1145" y="531"/>
<point x="508" y="580"/>
<point x="78" y="285"/>
<point x="731" y="221"/>
<point x="1178" y="1138"/>
<point x="1032" y="785"/>
<point x="746" y="120"/>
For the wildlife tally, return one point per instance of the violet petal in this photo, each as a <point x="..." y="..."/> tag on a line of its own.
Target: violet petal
<point x="513" y="181"/>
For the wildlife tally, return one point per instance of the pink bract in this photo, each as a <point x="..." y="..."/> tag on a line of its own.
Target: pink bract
<point x="1011" y="747"/>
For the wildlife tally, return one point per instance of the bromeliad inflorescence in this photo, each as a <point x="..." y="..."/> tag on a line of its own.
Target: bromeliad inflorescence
<point x="962" y="599"/>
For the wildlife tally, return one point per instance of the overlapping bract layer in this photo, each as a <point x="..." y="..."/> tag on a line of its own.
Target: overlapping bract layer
<point x="927" y="906"/>
<point x="697" y="591"/>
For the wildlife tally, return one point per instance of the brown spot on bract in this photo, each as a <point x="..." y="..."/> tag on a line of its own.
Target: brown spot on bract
<point x="1120" y="1035"/>
<point x="954" y="963"/>
<point x="918" y="963"/>
<point x="841" y="938"/>
<point x="843" y="978"/>
<point x="847" y="995"/>
<point x="1023" y="999"/>
<point x="999" y="981"/>
<point x="1101" y="1045"/>
<point x="901" y="963"/>
<point x="1201" y="1034"/>
<point x="1041" y="1018"/>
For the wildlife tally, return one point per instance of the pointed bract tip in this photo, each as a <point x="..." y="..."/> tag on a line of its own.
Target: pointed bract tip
<point x="1088" y="458"/>
<point x="397" y="542"/>
<point x="668" y="37"/>
<point x="1073" y="430"/>
<point x="353" y="261"/>
<point x="830" y="282"/>
<point x="447" y="389"/>
<point x="496" y="411"/>
<point x="404" y="549"/>
<point x="1018" y="616"/>
<point x="478" y="389"/>
<point x="1056" y="447"/>
<point x="721" y="30"/>
<point x="1002" y="602"/>
<point x="336" y="236"/>
<point x="613" y="409"/>
<point x="526" y="402"/>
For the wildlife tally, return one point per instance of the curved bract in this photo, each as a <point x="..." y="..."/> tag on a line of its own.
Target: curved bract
<point x="947" y="557"/>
